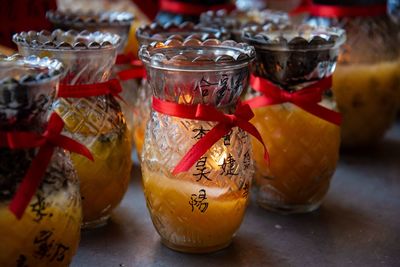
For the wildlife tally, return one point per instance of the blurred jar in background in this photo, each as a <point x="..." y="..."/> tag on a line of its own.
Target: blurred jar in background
<point x="236" y="20"/>
<point x="178" y="11"/>
<point x="367" y="80"/>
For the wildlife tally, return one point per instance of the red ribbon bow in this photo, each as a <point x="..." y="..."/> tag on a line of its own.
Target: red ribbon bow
<point x="46" y="142"/>
<point x="137" y="70"/>
<point x="112" y="87"/>
<point x="190" y="9"/>
<point x="226" y="122"/>
<point x="336" y="11"/>
<point x="307" y="98"/>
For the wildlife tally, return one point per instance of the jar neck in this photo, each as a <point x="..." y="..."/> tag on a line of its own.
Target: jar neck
<point x="220" y="89"/>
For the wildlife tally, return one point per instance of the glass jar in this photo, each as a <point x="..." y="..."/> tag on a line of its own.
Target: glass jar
<point x="147" y="34"/>
<point x="96" y="121"/>
<point x="303" y="147"/>
<point x="367" y="79"/>
<point x="198" y="210"/>
<point x="48" y="233"/>
<point x="236" y="20"/>
<point x="179" y="11"/>
<point x="113" y="22"/>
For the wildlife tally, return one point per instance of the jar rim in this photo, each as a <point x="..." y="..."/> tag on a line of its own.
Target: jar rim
<point x="197" y="55"/>
<point x="292" y="37"/>
<point x="161" y="32"/>
<point x="45" y="69"/>
<point x="70" y="40"/>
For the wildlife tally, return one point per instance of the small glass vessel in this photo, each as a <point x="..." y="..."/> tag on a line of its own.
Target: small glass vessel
<point x="199" y="210"/>
<point x="236" y="20"/>
<point x="303" y="148"/>
<point x="49" y="231"/>
<point x="96" y="122"/>
<point x="107" y="21"/>
<point x="367" y="79"/>
<point x="147" y="34"/>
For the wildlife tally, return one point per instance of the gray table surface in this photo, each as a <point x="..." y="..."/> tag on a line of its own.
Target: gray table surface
<point x="357" y="225"/>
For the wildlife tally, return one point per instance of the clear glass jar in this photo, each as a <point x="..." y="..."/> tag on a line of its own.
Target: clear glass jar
<point x="96" y="122"/>
<point x="303" y="148"/>
<point x="199" y="210"/>
<point x="49" y="231"/>
<point x="236" y="20"/>
<point x="367" y="79"/>
<point x="147" y="34"/>
<point x="113" y="22"/>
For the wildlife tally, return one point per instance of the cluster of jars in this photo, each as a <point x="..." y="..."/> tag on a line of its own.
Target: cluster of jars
<point x="186" y="108"/>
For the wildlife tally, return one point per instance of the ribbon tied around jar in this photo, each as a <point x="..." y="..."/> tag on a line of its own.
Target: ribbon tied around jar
<point x="46" y="142"/>
<point x="225" y="122"/>
<point x="307" y="98"/>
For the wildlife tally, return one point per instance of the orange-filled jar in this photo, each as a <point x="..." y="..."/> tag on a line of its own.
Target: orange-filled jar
<point x="45" y="230"/>
<point x="366" y="83"/>
<point x="294" y="112"/>
<point x="87" y="103"/>
<point x="199" y="208"/>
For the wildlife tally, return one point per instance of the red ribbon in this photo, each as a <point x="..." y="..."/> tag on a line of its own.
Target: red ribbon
<point x="307" y="98"/>
<point x="137" y="70"/>
<point x="112" y="87"/>
<point x="226" y="122"/>
<point x="333" y="11"/>
<point x="46" y="142"/>
<point x="190" y="9"/>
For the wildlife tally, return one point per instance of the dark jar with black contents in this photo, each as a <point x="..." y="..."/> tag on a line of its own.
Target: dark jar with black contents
<point x="48" y="233"/>
<point x="179" y="11"/>
<point x="366" y="83"/>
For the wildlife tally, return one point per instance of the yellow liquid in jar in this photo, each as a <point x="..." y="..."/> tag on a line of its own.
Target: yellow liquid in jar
<point x="303" y="153"/>
<point x="52" y="241"/>
<point x="104" y="181"/>
<point x="192" y="230"/>
<point x="367" y="96"/>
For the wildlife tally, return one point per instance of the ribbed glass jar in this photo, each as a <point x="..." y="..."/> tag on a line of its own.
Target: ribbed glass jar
<point x="48" y="233"/>
<point x="367" y="79"/>
<point x="113" y="22"/>
<point x="96" y="122"/>
<point x="303" y="148"/>
<point x="199" y="210"/>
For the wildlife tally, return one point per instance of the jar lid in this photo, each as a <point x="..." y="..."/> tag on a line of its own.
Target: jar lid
<point x="293" y="37"/>
<point x="19" y="70"/>
<point x="197" y="55"/>
<point x="90" y="19"/>
<point x="67" y="40"/>
<point x="158" y="32"/>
